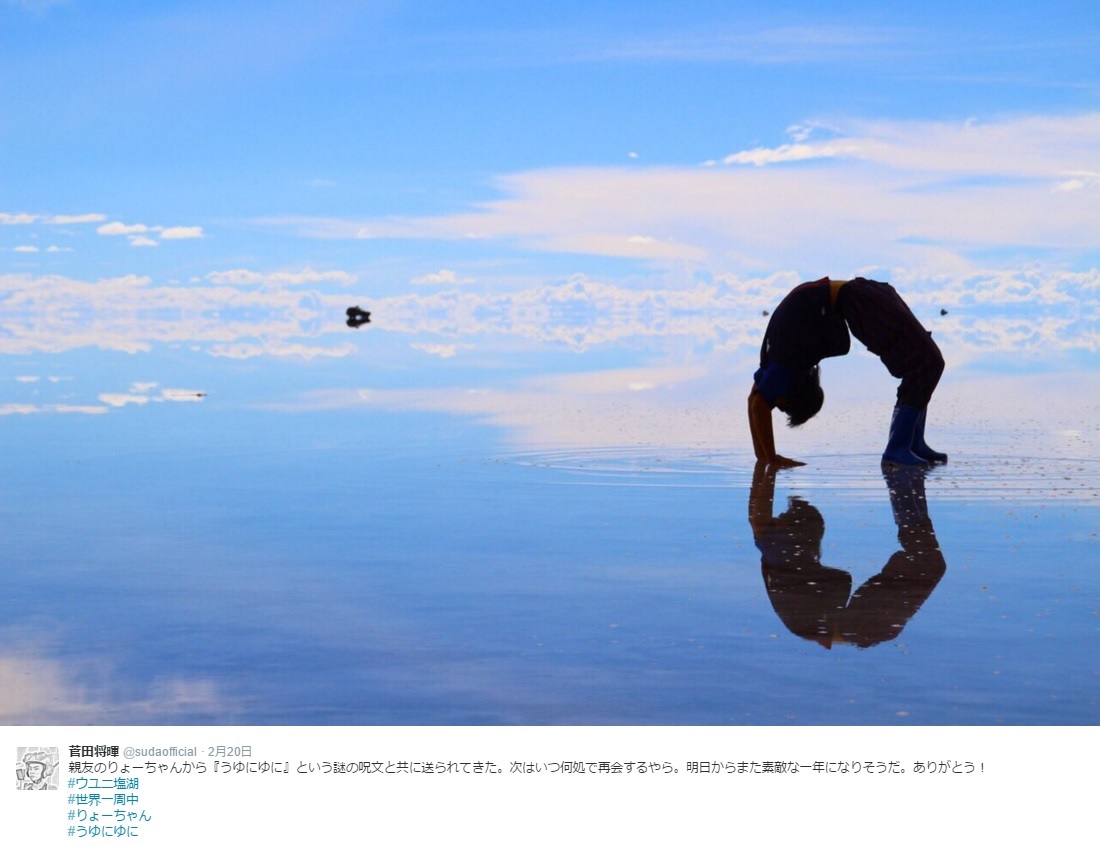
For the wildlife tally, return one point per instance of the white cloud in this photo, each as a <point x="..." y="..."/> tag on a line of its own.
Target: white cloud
<point x="17" y="219"/>
<point x="1036" y="147"/>
<point x="140" y="234"/>
<point x="761" y="156"/>
<point x="439" y="350"/>
<point x="140" y="395"/>
<point x="79" y="409"/>
<point x="237" y="277"/>
<point x="182" y="395"/>
<point x="1079" y="181"/>
<point x="440" y="277"/>
<point x="121" y="400"/>
<point x="109" y="400"/>
<point x="118" y="228"/>
<point x="242" y="351"/>
<point x="26" y="219"/>
<point x="64" y="219"/>
<point x="170" y="233"/>
<point x="278" y="279"/>
<point x="917" y="194"/>
<point x="26" y="248"/>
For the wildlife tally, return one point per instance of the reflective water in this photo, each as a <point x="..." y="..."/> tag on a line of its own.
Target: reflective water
<point x="209" y="562"/>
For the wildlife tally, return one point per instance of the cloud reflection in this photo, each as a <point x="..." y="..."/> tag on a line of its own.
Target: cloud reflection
<point x="1002" y="311"/>
<point x="39" y="689"/>
<point x="255" y="314"/>
<point x="243" y="314"/>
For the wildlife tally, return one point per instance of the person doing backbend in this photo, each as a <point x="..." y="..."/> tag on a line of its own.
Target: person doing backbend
<point x="811" y="323"/>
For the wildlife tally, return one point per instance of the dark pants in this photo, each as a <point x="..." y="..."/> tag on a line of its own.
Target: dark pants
<point x="882" y="321"/>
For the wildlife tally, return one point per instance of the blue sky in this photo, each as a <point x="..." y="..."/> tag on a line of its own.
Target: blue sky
<point x="500" y="178"/>
<point x="215" y="114"/>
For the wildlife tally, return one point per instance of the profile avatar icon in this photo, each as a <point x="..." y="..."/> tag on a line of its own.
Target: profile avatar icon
<point x="33" y="772"/>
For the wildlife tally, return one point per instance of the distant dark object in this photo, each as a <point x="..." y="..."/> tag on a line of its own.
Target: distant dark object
<point x="943" y="311"/>
<point x="357" y="317"/>
<point x="765" y="312"/>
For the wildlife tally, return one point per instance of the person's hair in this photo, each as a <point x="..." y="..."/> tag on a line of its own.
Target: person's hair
<point x="806" y="397"/>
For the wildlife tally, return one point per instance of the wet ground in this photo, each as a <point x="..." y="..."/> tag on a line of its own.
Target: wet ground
<point x="406" y="568"/>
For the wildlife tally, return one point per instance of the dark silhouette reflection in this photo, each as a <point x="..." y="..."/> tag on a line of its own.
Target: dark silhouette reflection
<point x="816" y="602"/>
<point x="357" y="317"/>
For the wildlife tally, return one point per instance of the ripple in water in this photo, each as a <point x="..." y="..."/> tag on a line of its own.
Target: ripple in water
<point x="971" y="477"/>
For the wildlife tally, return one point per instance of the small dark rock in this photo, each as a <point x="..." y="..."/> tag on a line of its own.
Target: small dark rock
<point x="357" y="317"/>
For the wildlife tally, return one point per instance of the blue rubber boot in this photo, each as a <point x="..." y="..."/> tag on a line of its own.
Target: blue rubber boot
<point x="920" y="448"/>
<point x="899" y="449"/>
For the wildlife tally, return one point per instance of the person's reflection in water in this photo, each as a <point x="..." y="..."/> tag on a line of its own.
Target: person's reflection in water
<point x="815" y="602"/>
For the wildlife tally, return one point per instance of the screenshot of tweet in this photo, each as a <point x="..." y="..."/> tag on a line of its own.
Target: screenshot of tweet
<point x="541" y="785"/>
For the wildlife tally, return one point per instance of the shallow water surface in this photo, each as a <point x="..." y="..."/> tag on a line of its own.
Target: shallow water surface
<point x="293" y="571"/>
